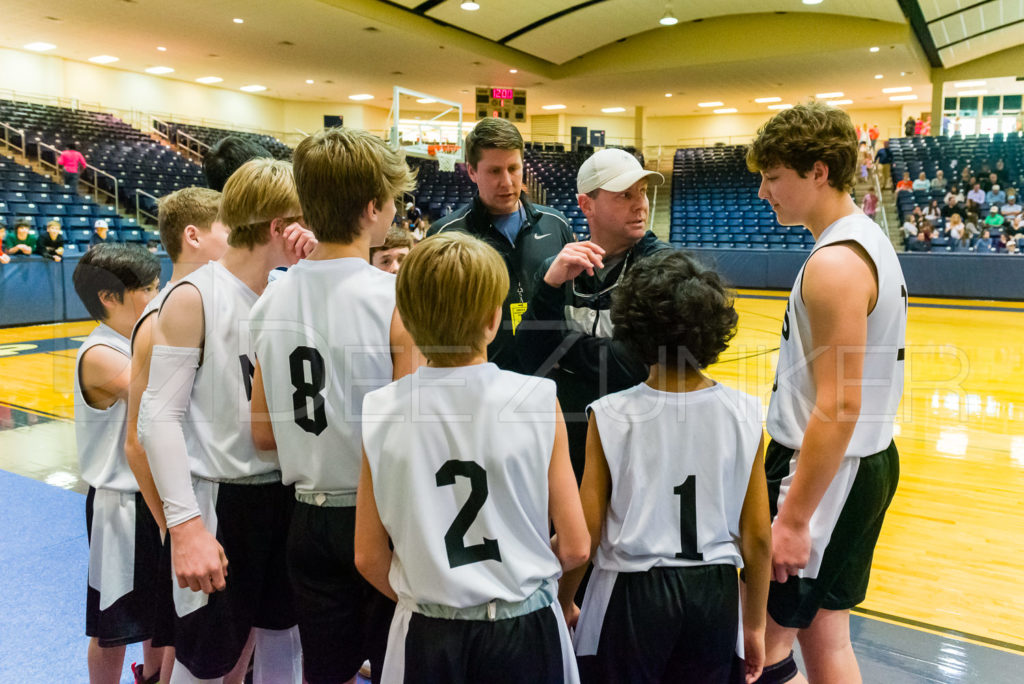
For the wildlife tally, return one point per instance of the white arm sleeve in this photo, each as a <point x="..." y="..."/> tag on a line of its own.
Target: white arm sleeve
<point x="172" y="370"/>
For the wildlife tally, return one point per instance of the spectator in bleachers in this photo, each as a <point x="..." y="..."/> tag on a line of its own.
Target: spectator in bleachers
<point x="988" y="180"/>
<point x="4" y="259"/>
<point x="922" y="183"/>
<point x="919" y="126"/>
<point x="984" y="243"/>
<point x="905" y="183"/>
<point x="952" y="208"/>
<point x="873" y="136"/>
<point x="910" y="126"/>
<point x="955" y="227"/>
<point x="1011" y="209"/>
<point x="525" y="234"/>
<point x="1011" y="247"/>
<point x="22" y="243"/>
<point x="995" y="197"/>
<point x="864" y="160"/>
<point x="939" y="182"/>
<point x="883" y="163"/>
<point x="919" y="244"/>
<point x="965" y="177"/>
<point x="1001" y="173"/>
<point x="389" y="256"/>
<point x="869" y="205"/>
<point x="954" y="194"/>
<point x="1002" y="243"/>
<point x="73" y="163"/>
<point x="927" y="229"/>
<point x="863" y="135"/>
<point x="926" y="125"/>
<point x="413" y="215"/>
<point x="226" y="156"/>
<point x="51" y="243"/>
<point x="977" y="195"/>
<point x="909" y="227"/>
<point x="933" y="213"/>
<point x="994" y="218"/>
<point x="100" y="234"/>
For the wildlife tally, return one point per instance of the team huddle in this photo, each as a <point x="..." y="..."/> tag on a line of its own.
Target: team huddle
<point x="309" y="469"/>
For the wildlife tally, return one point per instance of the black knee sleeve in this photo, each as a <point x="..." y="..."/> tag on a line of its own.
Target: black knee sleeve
<point x="782" y="671"/>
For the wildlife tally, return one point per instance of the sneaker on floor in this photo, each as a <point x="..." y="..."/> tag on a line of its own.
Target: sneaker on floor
<point x="139" y="679"/>
<point x="364" y="671"/>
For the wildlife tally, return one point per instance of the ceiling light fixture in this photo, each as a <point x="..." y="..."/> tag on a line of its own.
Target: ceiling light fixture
<point x="836" y="103"/>
<point x="668" y="94"/>
<point x="161" y="48"/>
<point x="103" y="59"/>
<point x="360" y="97"/>
<point x="513" y="71"/>
<point x="159" y="70"/>
<point x="710" y="104"/>
<point x="727" y="110"/>
<point x="39" y="47"/>
<point x="554" y="106"/>
<point x="828" y="96"/>
<point x="873" y="49"/>
<point x="902" y="98"/>
<point x="426" y="100"/>
<point x="207" y="80"/>
<point x="780" y="106"/>
<point x="253" y="88"/>
<point x="879" y="76"/>
<point x="613" y="110"/>
<point x="962" y="84"/>
<point x="239" y="21"/>
<point x="898" y="89"/>
<point x="309" y="81"/>
<point x="764" y="100"/>
<point x="668" y="19"/>
<point x="812" y="2"/>
<point x="470" y="6"/>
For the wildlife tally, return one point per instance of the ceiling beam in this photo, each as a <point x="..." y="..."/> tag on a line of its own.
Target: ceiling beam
<point x="912" y="11"/>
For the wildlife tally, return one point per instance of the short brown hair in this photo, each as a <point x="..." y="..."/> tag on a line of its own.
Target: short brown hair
<point x="183" y="208"/>
<point x="492" y="134"/>
<point x="447" y="291"/>
<point x="396" y="237"/>
<point x="802" y="135"/>
<point x="260" y="191"/>
<point x="338" y="172"/>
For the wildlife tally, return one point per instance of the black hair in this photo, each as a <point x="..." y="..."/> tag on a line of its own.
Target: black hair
<point x="670" y="309"/>
<point x="226" y="156"/>
<point x="72" y="146"/>
<point x="114" y="268"/>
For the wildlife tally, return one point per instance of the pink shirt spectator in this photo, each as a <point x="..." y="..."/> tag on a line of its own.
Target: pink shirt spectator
<point x="72" y="161"/>
<point x="870" y="204"/>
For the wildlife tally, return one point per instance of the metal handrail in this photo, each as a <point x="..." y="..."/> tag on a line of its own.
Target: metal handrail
<point x="881" y="204"/>
<point x="96" y="185"/>
<point x="138" y="210"/>
<point x="96" y="189"/>
<point x="192" y="145"/>
<point x="44" y="163"/>
<point x="165" y="132"/>
<point x="8" y="129"/>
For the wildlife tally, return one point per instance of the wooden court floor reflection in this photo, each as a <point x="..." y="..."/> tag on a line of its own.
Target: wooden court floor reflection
<point x="949" y="556"/>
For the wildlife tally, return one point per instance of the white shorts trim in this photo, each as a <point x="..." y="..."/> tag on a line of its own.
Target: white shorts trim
<point x="112" y="545"/>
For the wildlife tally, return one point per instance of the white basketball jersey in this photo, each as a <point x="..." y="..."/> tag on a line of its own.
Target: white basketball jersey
<point x="321" y="333"/>
<point x="152" y="307"/>
<point x="793" y="394"/>
<point x="218" y="434"/>
<point x="100" y="433"/>
<point x="459" y="458"/>
<point x="680" y="464"/>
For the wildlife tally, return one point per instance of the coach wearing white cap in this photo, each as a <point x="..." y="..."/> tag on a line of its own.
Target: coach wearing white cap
<point x="567" y="331"/>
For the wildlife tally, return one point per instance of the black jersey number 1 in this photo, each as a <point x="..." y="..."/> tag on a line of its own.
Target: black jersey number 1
<point x="454" y="539"/>
<point x="688" y="519"/>
<point x="308" y="391"/>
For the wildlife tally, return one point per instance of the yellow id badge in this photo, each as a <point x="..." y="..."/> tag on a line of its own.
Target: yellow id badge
<point x="517" y="309"/>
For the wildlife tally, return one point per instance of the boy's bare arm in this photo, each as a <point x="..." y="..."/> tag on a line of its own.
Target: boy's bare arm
<point x="259" y="413"/>
<point x="405" y="355"/>
<point x="839" y="291"/>
<point x="756" y="550"/>
<point x="142" y="348"/>
<point x="372" y="552"/>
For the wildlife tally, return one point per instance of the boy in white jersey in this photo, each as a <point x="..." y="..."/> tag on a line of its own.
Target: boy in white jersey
<point x="314" y="363"/>
<point x="191" y="236"/>
<point x="674" y="494"/>
<point x="832" y="466"/>
<point x="455" y="457"/>
<point x="114" y="283"/>
<point x="222" y="498"/>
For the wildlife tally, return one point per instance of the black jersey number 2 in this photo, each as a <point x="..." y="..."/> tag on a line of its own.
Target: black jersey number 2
<point x="308" y="391"/>
<point x="454" y="539"/>
<point x="688" y="519"/>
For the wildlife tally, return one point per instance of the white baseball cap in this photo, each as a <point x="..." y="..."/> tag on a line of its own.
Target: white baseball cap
<point x="611" y="169"/>
<point x="100" y="223"/>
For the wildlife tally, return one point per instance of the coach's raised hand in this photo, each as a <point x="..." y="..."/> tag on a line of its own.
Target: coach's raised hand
<point x="575" y="258"/>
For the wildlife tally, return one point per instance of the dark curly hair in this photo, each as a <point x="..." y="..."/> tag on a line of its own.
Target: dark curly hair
<point x="804" y="134"/>
<point x="671" y="309"/>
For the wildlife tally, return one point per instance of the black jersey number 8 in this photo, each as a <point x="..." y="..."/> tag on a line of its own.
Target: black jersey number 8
<point x="454" y="539"/>
<point x="307" y="391"/>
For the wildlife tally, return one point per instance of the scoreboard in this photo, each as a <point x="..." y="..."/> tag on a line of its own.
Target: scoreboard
<point x="502" y="103"/>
